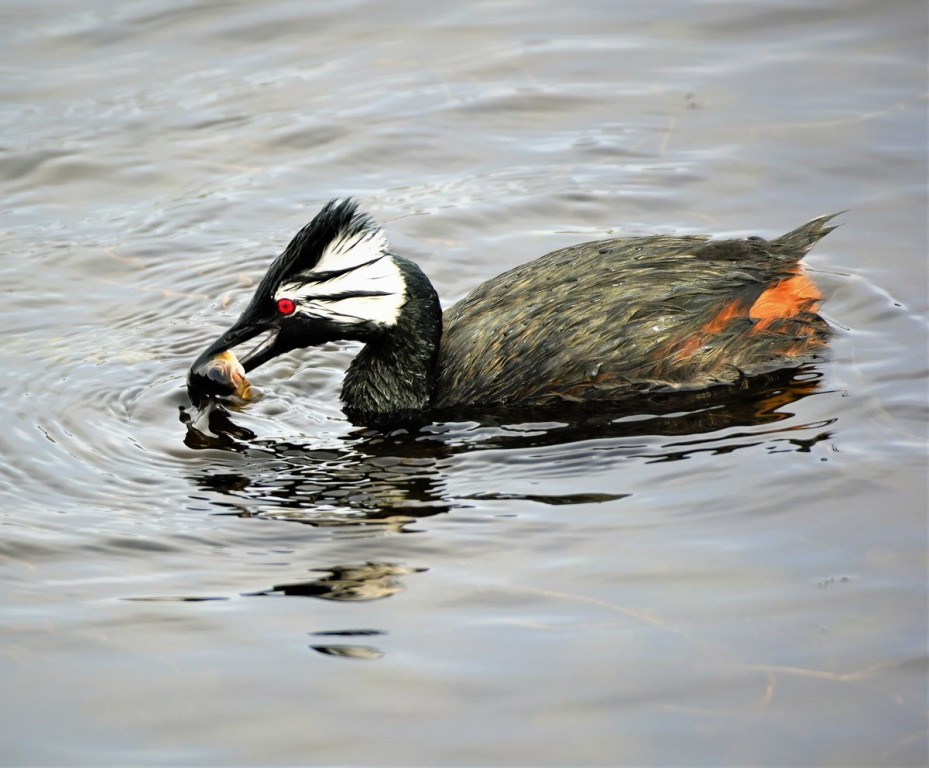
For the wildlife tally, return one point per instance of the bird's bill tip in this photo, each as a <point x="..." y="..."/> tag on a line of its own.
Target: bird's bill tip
<point x="221" y="376"/>
<point x="219" y="373"/>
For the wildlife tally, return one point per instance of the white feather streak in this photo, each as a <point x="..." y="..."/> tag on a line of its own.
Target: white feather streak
<point x="348" y="251"/>
<point x="321" y="298"/>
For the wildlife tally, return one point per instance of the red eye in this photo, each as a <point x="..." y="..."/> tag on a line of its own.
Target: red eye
<point x="286" y="306"/>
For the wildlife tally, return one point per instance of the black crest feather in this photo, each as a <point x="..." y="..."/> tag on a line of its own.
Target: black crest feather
<point x="338" y="218"/>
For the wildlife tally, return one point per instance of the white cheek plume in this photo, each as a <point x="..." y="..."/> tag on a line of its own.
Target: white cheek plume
<point x="372" y="290"/>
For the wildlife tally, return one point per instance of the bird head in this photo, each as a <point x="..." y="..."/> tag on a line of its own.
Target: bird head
<point x="337" y="279"/>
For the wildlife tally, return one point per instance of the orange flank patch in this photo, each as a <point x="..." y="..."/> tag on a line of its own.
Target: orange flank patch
<point x="788" y="298"/>
<point x="784" y="299"/>
<point x="729" y="312"/>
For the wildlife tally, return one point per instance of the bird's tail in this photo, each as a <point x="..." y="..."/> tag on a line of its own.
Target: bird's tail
<point x="803" y="238"/>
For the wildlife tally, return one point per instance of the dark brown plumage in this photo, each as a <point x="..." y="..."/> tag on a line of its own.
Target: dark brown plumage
<point x="604" y="319"/>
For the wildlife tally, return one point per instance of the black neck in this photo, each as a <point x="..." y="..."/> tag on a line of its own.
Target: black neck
<point x="392" y="377"/>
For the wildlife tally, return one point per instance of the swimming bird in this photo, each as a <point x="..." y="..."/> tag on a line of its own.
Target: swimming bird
<point x="591" y="323"/>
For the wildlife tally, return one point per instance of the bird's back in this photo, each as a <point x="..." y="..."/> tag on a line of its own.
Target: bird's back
<point x="606" y="319"/>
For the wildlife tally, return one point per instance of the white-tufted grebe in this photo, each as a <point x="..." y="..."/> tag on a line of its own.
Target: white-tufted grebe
<point x="598" y="321"/>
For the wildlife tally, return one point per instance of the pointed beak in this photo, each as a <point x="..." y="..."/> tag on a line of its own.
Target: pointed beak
<point x="217" y="372"/>
<point x="240" y="333"/>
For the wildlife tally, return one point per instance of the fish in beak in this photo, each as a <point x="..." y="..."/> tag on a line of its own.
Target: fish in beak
<point x="220" y="375"/>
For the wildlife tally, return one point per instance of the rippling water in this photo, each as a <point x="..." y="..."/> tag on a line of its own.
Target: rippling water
<point x="731" y="584"/>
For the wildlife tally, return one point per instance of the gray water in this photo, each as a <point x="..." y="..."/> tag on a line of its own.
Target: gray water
<point x="738" y="585"/>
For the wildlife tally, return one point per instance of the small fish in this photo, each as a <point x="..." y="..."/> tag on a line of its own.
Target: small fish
<point x="222" y="376"/>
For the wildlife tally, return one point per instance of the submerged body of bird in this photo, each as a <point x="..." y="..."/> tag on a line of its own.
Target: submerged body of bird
<point x="595" y="322"/>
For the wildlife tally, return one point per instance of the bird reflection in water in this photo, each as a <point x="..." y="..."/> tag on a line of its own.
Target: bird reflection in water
<point x="383" y="482"/>
<point x="392" y="479"/>
<point x="347" y="583"/>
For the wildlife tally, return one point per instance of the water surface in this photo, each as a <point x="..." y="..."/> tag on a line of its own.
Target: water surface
<point x="728" y="585"/>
